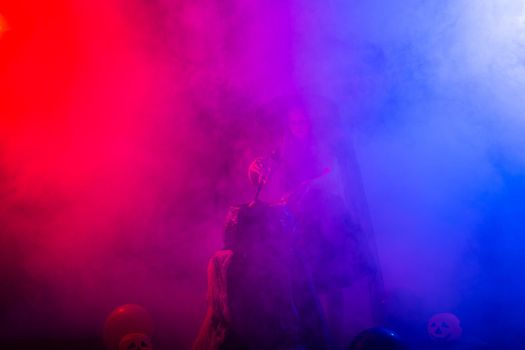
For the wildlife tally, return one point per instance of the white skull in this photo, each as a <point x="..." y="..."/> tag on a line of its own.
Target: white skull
<point x="135" y="341"/>
<point x="444" y="327"/>
<point x="259" y="170"/>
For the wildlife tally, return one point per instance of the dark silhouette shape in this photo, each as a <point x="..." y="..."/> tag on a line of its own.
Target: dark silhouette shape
<point x="377" y="339"/>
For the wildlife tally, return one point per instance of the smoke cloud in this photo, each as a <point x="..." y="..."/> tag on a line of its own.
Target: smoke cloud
<point x="126" y="130"/>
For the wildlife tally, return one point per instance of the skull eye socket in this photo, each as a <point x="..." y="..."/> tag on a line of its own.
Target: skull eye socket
<point x="132" y="345"/>
<point x="444" y="325"/>
<point x="433" y="324"/>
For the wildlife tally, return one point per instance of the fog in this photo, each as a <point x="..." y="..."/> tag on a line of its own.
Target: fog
<point x="126" y="130"/>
